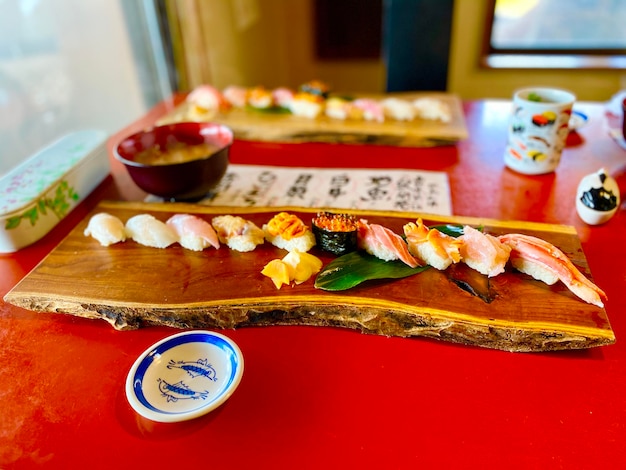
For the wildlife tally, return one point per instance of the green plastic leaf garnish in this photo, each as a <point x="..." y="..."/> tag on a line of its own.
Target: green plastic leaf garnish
<point x="356" y="267"/>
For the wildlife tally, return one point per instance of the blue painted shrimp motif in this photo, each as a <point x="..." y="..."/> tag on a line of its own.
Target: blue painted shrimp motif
<point x="179" y="391"/>
<point x="199" y="368"/>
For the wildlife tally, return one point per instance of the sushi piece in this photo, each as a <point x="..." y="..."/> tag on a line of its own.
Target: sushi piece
<point x="237" y="96"/>
<point x="206" y="100"/>
<point x="431" y="246"/>
<point x="315" y="87"/>
<point x="483" y="252"/>
<point x="372" y="109"/>
<point x="288" y="232"/>
<point x="282" y="97"/>
<point x="545" y="262"/>
<point x="193" y="232"/>
<point x="106" y="228"/>
<point x="432" y="109"/>
<point x="295" y="267"/>
<point x="260" y="98"/>
<point x="398" y="109"/>
<point x="381" y="242"/>
<point x="238" y="233"/>
<point x="146" y="230"/>
<point x="342" y="109"/>
<point x="306" y="105"/>
<point x="335" y="233"/>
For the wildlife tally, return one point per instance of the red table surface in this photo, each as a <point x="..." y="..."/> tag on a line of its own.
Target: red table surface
<point x="317" y="397"/>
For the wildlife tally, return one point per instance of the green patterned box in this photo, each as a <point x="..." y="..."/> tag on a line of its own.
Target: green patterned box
<point x="35" y="195"/>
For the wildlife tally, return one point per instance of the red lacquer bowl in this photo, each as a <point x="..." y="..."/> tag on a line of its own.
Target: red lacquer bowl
<point x="184" y="181"/>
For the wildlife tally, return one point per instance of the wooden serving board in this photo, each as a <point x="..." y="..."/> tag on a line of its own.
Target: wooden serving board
<point x="131" y="286"/>
<point x="279" y="127"/>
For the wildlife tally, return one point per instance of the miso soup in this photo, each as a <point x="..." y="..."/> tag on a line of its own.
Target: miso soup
<point x="178" y="152"/>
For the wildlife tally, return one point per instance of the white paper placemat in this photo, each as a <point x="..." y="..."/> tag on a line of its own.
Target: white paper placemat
<point x="376" y="189"/>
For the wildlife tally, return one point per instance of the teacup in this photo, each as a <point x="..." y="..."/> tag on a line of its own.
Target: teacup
<point x="538" y="129"/>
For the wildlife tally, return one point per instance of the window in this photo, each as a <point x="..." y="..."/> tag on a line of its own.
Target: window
<point x="67" y="65"/>
<point x="555" y="34"/>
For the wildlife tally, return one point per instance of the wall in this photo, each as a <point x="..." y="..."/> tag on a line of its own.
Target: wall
<point x="468" y="80"/>
<point x="271" y="43"/>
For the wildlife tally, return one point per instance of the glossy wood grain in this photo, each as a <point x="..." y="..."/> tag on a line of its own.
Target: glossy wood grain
<point x="225" y="288"/>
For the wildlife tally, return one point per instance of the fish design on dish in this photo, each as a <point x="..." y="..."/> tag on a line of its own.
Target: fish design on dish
<point x="199" y="368"/>
<point x="180" y="391"/>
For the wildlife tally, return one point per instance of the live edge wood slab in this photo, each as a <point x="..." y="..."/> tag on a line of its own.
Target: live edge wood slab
<point x="132" y="286"/>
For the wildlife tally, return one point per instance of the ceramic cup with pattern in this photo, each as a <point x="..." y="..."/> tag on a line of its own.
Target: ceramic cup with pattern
<point x="538" y="129"/>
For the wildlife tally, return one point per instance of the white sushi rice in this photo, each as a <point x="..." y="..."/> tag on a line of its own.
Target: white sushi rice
<point x="146" y="230"/>
<point x="427" y="253"/>
<point x="106" y="229"/>
<point x="302" y="243"/>
<point x="237" y="233"/>
<point x="535" y="270"/>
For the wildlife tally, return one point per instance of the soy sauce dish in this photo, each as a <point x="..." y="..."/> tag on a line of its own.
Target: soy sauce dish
<point x="184" y="376"/>
<point x="178" y="162"/>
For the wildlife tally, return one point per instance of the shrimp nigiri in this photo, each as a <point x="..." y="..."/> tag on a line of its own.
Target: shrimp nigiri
<point x="431" y="246"/>
<point x="383" y="243"/>
<point x="545" y="262"/>
<point x="483" y="252"/>
<point x="193" y="232"/>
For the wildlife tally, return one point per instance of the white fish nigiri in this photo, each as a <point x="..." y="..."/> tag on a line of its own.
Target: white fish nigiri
<point x="106" y="228"/>
<point x="193" y="232"/>
<point x="145" y="229"/>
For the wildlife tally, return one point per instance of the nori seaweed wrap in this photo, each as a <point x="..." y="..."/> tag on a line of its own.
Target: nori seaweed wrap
<point x="335" y="233"/>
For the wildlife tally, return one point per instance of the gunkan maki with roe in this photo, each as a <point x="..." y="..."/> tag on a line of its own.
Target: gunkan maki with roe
<point x="335" y="233"/>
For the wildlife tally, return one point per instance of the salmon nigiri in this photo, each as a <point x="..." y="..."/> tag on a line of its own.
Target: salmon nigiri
<point x="383" y="243"/>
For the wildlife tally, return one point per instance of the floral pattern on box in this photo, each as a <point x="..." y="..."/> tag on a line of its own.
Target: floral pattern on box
<point x="26" y="183"/>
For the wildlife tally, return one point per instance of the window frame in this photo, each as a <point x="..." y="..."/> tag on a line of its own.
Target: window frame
<point x="544" y="58"/>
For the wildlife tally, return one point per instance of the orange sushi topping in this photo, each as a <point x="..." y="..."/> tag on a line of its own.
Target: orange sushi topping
<point x="287" y="226"/>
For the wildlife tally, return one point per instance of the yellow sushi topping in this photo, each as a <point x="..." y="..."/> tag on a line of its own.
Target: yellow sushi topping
<point x="286" y="225"/>
<point x="296" y="266"/>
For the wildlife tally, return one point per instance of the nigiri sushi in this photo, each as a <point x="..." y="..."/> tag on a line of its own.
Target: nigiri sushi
<point x="381" y="242"/>
<point x="431" y="246"/>
<point x="146" y="230"/>
<point x="306" y="105"/>
<point x="545" y="262"/>
<point x="206" y="99"/>
<point x="193" y="232"/>
<point x="398" y="109"/>
<point x="287" y="231"/>
<point x="237" y="96"/>
<point x="372" y="109"/>
<point x="260" y="98"/>
<point x="483" y="252"/>
<point x="342" y="109"/>
<point x="238" y="233"/>
<point x="432" y="109"/>
<point x="106" y="228"/>
<point x="282" y="97"/>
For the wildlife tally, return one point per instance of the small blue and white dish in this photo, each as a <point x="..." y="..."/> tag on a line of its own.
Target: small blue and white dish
<point x="184" y="376"/>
